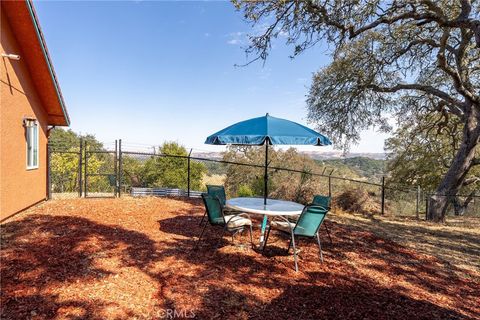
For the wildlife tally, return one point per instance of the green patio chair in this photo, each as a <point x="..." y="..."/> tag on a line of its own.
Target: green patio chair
<point x="218" y="192"/>
<point x="324" y="201"/>
<point x="233" y="223"/>
<point x="112" y="180"/>
<point x="307" y="226"/>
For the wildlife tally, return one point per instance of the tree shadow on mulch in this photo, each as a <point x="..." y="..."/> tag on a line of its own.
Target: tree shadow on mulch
<point x="353" y="301"/>
<point x="362" y="298"/>
<point x="303" y="301"/>
<point x="41" y="252"/>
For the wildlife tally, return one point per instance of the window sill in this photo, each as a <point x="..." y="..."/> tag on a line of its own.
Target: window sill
<point x="32" y="168"/>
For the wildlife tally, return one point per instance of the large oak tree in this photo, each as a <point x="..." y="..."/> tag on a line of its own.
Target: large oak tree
<point x="390" y="58"/>
<point x="420" y="152"/>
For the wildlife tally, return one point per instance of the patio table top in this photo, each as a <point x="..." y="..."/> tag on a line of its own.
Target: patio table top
<point x="273" y="207"/>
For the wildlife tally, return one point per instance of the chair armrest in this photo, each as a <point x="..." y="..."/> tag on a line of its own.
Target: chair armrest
<point x="319" y="205"/>
<point x="241" y="214"/>
<point x="284" y="219"/>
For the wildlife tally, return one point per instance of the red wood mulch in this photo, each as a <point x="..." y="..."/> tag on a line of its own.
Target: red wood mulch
<point x="132" y="258"/>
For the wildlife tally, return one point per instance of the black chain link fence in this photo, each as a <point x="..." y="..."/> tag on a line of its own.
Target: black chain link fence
<point x="113" y="170"/>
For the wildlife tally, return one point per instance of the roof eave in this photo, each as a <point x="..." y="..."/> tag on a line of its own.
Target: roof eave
<point x="53" y="120"/>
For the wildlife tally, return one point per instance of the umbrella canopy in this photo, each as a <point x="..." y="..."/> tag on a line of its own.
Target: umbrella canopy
<point x="269" y="129"/>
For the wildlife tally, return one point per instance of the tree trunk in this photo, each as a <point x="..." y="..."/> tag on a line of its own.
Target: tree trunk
<point x="461" y="164"/>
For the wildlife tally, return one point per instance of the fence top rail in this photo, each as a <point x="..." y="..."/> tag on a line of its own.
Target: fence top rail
<point x="99" y="151"/>
<point x="452" y="195"/>
<point x="65" y="151"/>
<point x="401" y="189"/>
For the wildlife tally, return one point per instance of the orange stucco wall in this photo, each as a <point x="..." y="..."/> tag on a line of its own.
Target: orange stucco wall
<point x="19" y="187"/>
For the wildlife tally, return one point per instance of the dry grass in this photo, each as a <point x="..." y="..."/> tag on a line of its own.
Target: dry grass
<point x="456" y="243"/>
<point x="132" y="258"/>
<point x="214" y="179"/>
<point x="358" y="200"/>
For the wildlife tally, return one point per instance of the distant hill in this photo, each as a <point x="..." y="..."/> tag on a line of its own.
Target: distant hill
<point x="318" y="155"/>
<point x="370" y="168"/>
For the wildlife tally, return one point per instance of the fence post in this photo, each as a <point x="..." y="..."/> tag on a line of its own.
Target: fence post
<point x="115" y="167"/>
<point x="330" y="186"/>
<point x="85" y="163"/>
<point x="417" y="205"/>
<point x="80" y="157"/>
<point x="119" y="168"/>
<point x="426" y="206"/>
<point x="383" y="196"/>
<point x="49" y="172"/>
<point x="188" y="173"/>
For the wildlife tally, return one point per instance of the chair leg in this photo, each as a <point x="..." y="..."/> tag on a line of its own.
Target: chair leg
<point x="294" y="252"/>
<point x="266" y="239"/>
<point x="200" y="237"/>
<point x="203" y="218"/>
<point x="328" y="231"/>
<point x="221" y="237"/>
<point x="289" y="245"/>
<point x="320" y="247"/>
<point x="251" y="236"/>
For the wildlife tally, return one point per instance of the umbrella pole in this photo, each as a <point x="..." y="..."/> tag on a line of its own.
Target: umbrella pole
<point x="265" y="177"/>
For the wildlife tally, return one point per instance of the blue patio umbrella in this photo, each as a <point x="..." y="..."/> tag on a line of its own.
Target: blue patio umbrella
<point x="267" y="130"/>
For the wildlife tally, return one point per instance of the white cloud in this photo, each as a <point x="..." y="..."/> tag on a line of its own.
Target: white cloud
<point x="283" y="34"/>
<point x="206" y="34"/>
<point x="264" y="73"/>
<point x="237" y="38"/>
<point x="301" y="80"/>
<point x="234" y="41"/>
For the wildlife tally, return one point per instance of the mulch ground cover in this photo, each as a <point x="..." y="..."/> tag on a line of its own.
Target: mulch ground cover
<point x="133" y="258"/>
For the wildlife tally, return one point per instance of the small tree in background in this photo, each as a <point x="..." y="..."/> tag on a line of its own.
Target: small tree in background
<point x="64" y="166"/>
<point x="171" y="172"/>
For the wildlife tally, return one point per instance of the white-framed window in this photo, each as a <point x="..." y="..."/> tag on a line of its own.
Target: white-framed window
<point x="31" y="127"/>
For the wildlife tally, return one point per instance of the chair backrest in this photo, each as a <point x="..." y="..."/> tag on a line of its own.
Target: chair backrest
<point x="217" y="191"/>
<point x="214" y="209"/>
<point x="310" y="220"/>
<point x="323" y="201"/>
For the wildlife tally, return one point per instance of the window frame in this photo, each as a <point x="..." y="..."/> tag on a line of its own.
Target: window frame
<point x="31" y="126"/>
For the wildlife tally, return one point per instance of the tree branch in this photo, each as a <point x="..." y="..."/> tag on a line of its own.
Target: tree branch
<point x="470" y="181"/>
<point x="427" y="89"/>
<point x="442" y="63"/>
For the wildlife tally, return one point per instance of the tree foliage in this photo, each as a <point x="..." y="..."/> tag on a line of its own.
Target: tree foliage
<point x="64" y="161"/>
<point x="390" y="58"/>
<point x="164" y="171"/>
<point x="137" y="171"/>
<point x="246" y="180"/>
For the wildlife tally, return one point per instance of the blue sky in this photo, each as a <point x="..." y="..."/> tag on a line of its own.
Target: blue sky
<point x="149" y="72"/>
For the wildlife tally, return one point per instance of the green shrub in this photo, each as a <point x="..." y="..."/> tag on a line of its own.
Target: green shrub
<point x="244" y="191"/>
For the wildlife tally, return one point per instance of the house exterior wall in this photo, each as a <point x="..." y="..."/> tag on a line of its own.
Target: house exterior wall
<point x="19" y="187"/>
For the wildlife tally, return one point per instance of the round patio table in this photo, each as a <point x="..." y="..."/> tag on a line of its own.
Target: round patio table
<point x="272" y="208"/>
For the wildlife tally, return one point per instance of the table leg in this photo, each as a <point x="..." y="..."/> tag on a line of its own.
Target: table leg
<point x="262" y="232"/>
